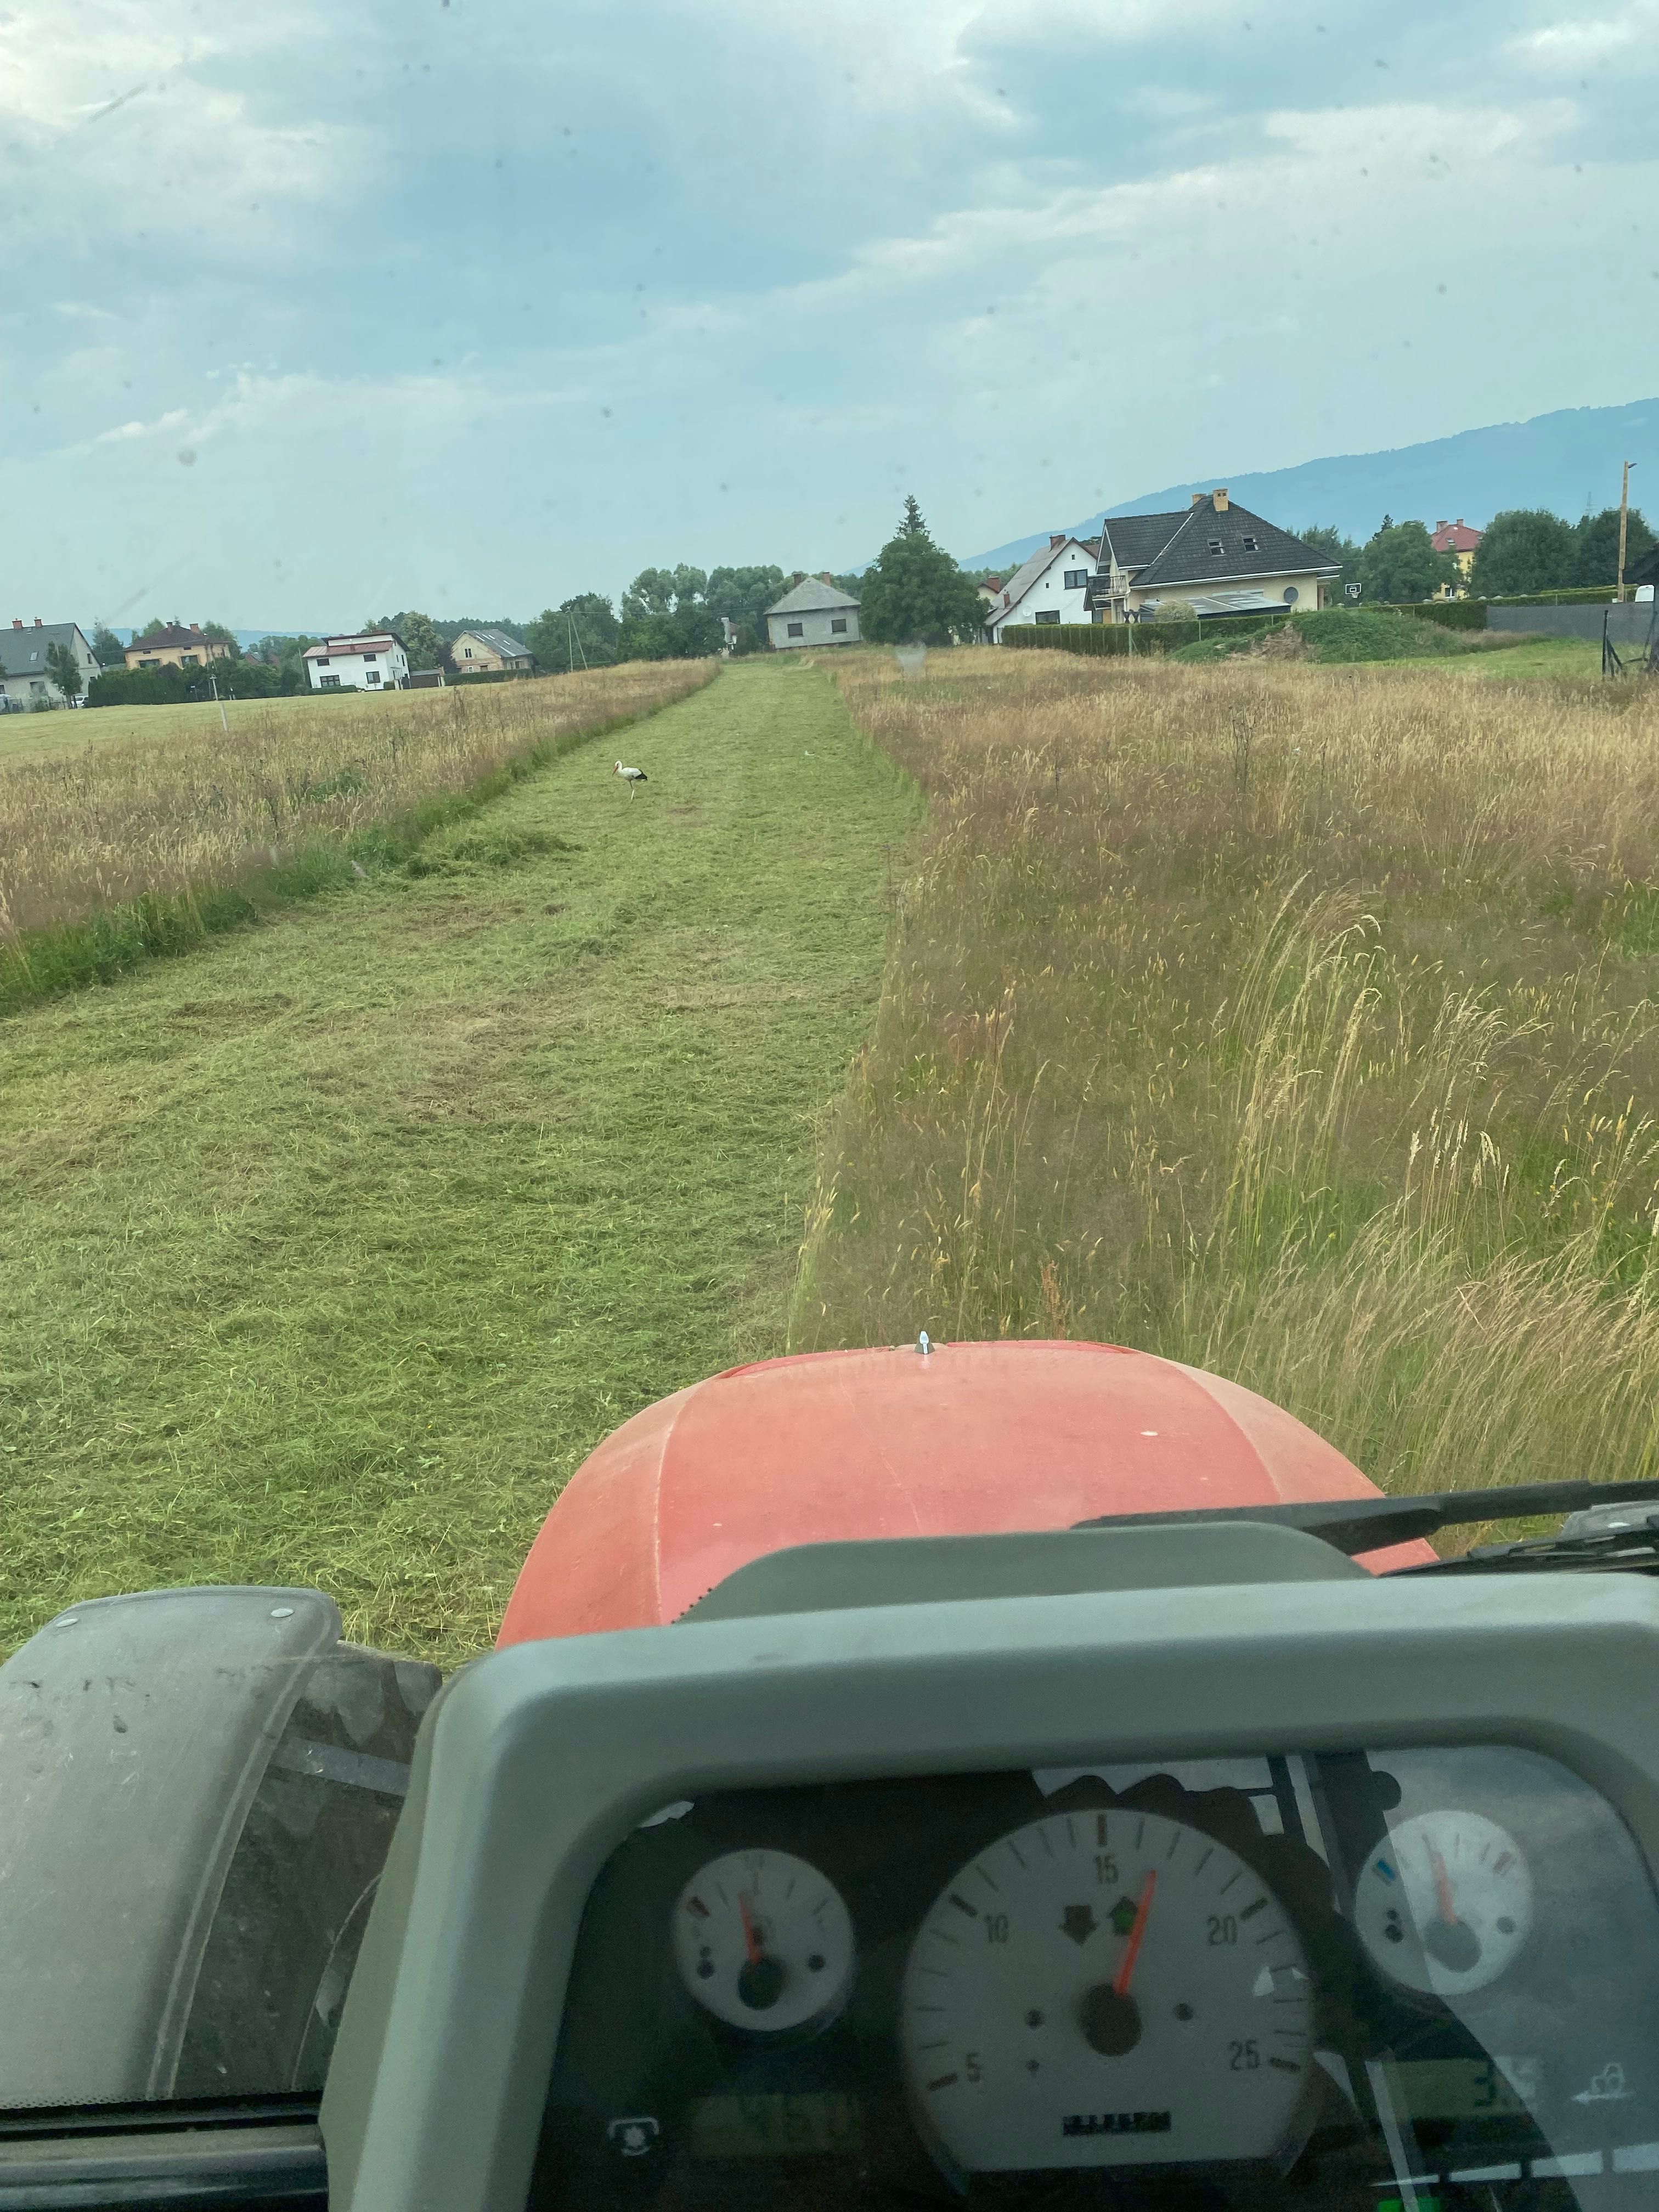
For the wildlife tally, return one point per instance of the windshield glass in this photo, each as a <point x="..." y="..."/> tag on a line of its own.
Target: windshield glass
<point x="702" y="684"/>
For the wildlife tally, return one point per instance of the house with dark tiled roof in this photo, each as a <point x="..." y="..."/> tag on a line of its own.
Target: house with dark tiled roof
<point x="1211" y="558"/>
<point x="25" y="677"/>
<point x="175" y="645"/>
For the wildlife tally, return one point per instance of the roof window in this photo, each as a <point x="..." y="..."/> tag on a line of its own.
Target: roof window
<point x="1215" y="545"/>
<point x="1250" y="545"/>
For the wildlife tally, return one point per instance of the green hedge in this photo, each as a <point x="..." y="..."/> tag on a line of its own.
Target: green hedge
<point x="1108" y="638"/>
<point x="1449" y="614"/>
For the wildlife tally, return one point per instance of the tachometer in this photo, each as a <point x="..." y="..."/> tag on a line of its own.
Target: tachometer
<point x="1107" y="1988"/>
<point x="1446" y="1904"/>
<point x="764" y="1941"/>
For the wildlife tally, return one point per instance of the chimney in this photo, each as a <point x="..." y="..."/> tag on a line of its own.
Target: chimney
<point x="1198" y="499"/>
<point x="1218" y="499"/>
<point x="17" y="622"/>
<point x="1056" y="537"/>
<point x="825" y="577"/>
<point x="1440" y="526"/>
<point x="37" y="622"/>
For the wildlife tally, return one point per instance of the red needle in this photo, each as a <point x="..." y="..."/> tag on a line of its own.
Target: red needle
<point x="1126" y="1964"/>
<point x="1443" y="1888"/>
<point x="750" y="1941"/>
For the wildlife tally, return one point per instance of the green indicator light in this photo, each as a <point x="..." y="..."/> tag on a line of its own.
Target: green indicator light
<point x="1122" y="1918"/>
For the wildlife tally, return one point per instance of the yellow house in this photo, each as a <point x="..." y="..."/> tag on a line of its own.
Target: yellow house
<point x="1460" y="541"/>
<point x="175" y="646"/>
<point x="490" y="653"/>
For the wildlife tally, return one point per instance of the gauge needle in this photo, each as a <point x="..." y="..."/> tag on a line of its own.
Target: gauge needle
<point x="750" y="1941"/>
<point x="1443" y="1888"/>
<point x="1126" y="1964"/>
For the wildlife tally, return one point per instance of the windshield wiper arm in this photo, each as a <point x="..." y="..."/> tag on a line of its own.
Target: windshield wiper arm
<point x="1370" y="1524"/>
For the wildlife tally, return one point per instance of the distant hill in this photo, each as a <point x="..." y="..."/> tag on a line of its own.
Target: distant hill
<point x="1557" y="461"/>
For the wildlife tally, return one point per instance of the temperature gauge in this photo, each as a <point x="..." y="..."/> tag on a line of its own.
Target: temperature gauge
<point x="1445" y="1905"/>
<point x="764" y="1942"/>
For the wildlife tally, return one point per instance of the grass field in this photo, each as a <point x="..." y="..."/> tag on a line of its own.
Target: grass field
<point x="1296" y="1022"/>
<point x="84" y="833"/>
<point x="33" y="737"/>
<point x="329" y="1251"/>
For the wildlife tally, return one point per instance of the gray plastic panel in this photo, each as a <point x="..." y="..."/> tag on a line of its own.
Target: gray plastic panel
<point x="134" y="1732"/>
<point x="536" y="1761"/>
<point x="1046" y="1563"/>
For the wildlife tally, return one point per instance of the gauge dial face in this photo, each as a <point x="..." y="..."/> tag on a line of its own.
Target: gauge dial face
<point x="764" y="1942"/>
<point x="1445" y="1905"/>
<point x="1104" y="1989"/>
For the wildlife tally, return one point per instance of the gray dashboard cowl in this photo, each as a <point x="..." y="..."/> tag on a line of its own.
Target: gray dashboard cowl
<point x="134" y="1734"/>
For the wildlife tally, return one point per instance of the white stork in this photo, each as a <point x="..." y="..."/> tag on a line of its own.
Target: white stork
<point x="633" y="777"/>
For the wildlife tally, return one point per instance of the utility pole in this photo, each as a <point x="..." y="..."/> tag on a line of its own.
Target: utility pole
<point x="225" y="726"/>
<point x="1624" y="526"/>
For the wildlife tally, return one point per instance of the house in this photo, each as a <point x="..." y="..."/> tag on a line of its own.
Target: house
<point x="1052" y="586"/>
<point x="990" y="592"/>
<point x="490" y="653"/>
<point x="815" y="612"/>
<point x="175" y="646"/>
<point x="25" y="678"/>
<point x="1460" y="541"/>
<point x="1210" y="558"/>
<point x="373" y="660"/>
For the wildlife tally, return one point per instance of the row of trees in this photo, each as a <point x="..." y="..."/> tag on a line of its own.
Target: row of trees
<point x="913" y="590"/>
<point x="1523" y="549"/>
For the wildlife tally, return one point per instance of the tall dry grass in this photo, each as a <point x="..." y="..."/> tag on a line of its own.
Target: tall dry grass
<point x="1297" y="1023"/>
<point x="86" y="831"/>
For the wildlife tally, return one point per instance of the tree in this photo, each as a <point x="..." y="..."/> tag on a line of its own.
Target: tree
<point x="420" y="641"/>
<point x="1525" y="549"/>
<point x="743" y="595"/>
<point x="1325" y="538"/>
<point x="665" y="617"/>
<point x="216" y="634"/>
<point x="580" y="634"/>
<point x="1399" y="563"/>
<point x="914" y="590"/>
<point x="65" y="669"/>
<point x="107" y="648"/>
<point x="1595" y="559"/>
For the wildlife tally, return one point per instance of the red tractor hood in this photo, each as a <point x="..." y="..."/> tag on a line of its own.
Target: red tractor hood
<point x="973" y="1439"/>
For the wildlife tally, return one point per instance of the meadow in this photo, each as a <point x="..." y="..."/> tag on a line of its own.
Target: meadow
<point x="327" y="1252"/>
<point x="1296" y="1022"/>
<point x="30" y="736"/>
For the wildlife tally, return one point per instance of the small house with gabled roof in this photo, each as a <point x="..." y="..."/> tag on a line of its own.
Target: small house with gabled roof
<point x="490" y="653"/>
<point x="26" y="676"/>
<point x="175" y="645"/>
<point x="1051" y="588"/>
<point x="814" y="612"/>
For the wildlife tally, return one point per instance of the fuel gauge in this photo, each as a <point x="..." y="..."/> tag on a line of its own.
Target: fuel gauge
<point x="764" y="1941"/>
<point x="1444" y="1906"/>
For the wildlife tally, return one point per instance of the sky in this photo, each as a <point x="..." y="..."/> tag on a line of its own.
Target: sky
<point x="324" y="309"/>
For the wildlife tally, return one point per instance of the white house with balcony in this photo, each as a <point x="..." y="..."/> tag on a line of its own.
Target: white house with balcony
<point x="1052" y="586"/>
<point x="373" y="662"/>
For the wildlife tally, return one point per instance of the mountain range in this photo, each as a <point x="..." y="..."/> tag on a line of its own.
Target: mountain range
<point x="1568" y="461"/>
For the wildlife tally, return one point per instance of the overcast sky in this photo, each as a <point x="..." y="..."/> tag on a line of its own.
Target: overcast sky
<point x="317" y="308"/>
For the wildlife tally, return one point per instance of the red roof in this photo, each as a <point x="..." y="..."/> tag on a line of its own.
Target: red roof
<point x="374" y="641"/>
<point x="1454" y="537"/>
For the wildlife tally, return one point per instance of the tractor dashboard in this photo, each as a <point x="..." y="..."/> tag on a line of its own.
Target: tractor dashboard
<point x="1178" y="1895"/>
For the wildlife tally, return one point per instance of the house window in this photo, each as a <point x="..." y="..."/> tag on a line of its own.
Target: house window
<point x="797" y="629"/>
<point x="328" y="684"/>
<point x="1076" y="579"/>
<point x="367" y="657"/>
<point x="466" y="653"/>
<point x="374" y="675"/>
<point x="187" y="660"/>
<point x="1250" y="545"/>
<point x="1215" y="545"/>
<point x="1047" y="614"/>
<point x="838" y="625"/>
<point x="149" y="664"/>
<point x="322" y="661"/>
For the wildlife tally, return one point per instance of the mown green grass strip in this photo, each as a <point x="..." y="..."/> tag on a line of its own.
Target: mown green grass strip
<point x="43" y="963"/>
<point x="328" y="1254"/>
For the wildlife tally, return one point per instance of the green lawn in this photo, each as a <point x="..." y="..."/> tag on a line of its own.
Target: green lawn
<point x="328" y="1251"/>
